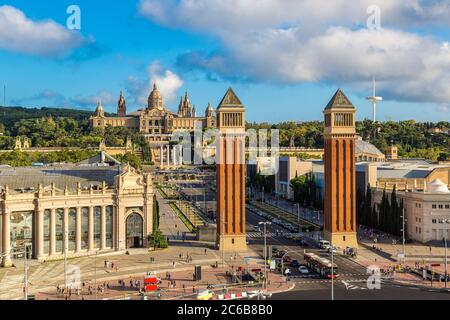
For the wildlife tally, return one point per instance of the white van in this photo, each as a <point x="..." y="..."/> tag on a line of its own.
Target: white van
<point x="324" y="244"/>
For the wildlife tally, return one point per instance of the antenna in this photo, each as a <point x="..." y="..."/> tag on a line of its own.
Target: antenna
<point x="374" y="99"/>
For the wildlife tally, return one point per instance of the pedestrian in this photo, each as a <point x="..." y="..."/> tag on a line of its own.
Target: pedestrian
<point x="173" y="263"/>
<point x="106" y="263"/>
<point x="206" y="251"/>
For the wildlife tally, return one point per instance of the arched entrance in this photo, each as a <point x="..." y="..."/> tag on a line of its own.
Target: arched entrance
<point x="135" y="230"/>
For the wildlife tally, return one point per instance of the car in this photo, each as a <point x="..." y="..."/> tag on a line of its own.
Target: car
<point x="332" y="249"/>
<point x="324" y="244"/>
<point x="303" y="270"/>
<point x="295" y="264"/>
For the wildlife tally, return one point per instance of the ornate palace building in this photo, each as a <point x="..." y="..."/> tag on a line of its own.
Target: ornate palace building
<point x="82" y="209"/>
<point x="156" y="122"/>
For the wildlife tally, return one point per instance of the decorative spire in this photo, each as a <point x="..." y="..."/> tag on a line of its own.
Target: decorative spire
<point x="99" y="110"/>
<point x="121" y="106"/>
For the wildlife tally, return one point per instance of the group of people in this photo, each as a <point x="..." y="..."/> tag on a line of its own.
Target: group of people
<point x="86" y="289"/>
<point x="186" y="258"/>
<point x="111" y="265"/>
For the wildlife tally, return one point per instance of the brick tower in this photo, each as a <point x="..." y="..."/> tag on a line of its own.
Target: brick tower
<point x="230" y="174"/>
<point x="340" y="175"/>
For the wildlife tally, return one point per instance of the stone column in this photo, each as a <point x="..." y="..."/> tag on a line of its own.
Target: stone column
<point x="52" y="232"/>
<point x="161" y="154"/>
<point x="40" y="234"/>
<point x="78" y="233"/>
<point x="168" y="155"/>
<point x="6" y="239"/>
<point x="103" y="229"/>
<point x="66" y="230"/>
<point x="91" y="229"/>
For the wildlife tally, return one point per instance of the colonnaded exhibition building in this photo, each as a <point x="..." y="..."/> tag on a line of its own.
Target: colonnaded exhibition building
<point x="97" y="205"/>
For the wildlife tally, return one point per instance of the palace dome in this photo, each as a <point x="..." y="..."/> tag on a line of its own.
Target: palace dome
<point x="437" y="186"/>
<point x="155" y="100"/>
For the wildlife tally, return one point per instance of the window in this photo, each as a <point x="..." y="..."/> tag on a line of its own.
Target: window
<point x="84" y="228"/>
<point x="447" y="206"/>
<point x="97" y="226"/>
<point x="441" y="206"/>
<point x="433" y="221"/>
<point x="434" y="206"/>
<point x="72" y="232"/>
<point x="47" y="231"/>
<point x="59" y="229"/>
<point x="109" y="226"/>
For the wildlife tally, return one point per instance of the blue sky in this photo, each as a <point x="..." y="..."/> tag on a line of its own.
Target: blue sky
<point x="284" y="58"/>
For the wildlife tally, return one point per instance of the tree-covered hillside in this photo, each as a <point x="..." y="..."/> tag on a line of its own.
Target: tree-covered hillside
<point x="414" y="139"/>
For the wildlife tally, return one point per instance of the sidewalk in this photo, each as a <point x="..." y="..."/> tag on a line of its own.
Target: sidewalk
<point x="180" y="287"/>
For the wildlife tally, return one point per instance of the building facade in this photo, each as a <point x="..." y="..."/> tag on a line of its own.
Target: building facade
<point x="230" y="174"/>
<point x="340" y="172"/>
<point x="156" y="122"/>
<point x="79" y="209"/>
<point x="427" y="211"/>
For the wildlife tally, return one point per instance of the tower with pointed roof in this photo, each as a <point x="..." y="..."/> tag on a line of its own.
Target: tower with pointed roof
<point x="340" y="172"/>
<point x="230" y="174"/>
<point x="99" y="112"/>
<point x="121" y="106"/>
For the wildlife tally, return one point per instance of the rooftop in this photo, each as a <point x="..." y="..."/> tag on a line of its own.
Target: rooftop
<point x="66" y="175"/>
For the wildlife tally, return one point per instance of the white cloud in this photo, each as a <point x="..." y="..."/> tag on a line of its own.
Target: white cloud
<point x="294" y="41"/>
<point x="167" y="81"/>
<point x="20" y="34"/>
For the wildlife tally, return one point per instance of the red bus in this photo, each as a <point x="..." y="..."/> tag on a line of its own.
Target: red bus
<point x="321" y="265"/>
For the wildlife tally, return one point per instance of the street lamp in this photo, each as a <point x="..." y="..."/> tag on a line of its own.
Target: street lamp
<point x="265" y="250"/>
<point x="403" y="236"/>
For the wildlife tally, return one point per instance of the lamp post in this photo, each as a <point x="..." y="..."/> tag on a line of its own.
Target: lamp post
<point x="403" y="236"/>
<point x="65" y="258"/>
<point x="25" y="274"/>
<point x="446" y="274"/>
<point x="95" y="274"/>
<point x="332" y="271"/>
<point x="265" y="251"/>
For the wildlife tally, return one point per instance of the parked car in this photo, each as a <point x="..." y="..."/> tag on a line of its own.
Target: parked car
<point x="303" y="270"/>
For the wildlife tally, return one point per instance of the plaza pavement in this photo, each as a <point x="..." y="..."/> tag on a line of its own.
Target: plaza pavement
<point x="183" y="289"/>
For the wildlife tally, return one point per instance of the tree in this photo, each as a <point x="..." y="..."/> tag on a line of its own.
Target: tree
<point x="155" y="214"/>
<point x="157" y="240"/>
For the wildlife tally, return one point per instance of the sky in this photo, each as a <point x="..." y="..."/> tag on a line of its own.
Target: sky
<point x="283" y="58"/>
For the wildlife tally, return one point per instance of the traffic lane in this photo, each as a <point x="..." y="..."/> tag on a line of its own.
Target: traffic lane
<point x="387" y="292"/>
<point x="348" y="268"/>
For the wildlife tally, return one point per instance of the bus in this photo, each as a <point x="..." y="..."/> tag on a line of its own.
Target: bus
<point x="321" y="265"/>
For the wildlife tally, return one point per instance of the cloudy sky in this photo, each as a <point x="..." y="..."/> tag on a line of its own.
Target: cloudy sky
<point x="284" y="58"/>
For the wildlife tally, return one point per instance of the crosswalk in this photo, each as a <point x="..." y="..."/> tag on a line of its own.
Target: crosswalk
<point x="255" y="235"/>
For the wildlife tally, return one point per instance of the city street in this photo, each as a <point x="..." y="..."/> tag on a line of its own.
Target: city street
<point x="351" y="283"/>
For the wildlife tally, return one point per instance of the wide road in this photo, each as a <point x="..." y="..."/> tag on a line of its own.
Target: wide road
<point x="352" y="281"/>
